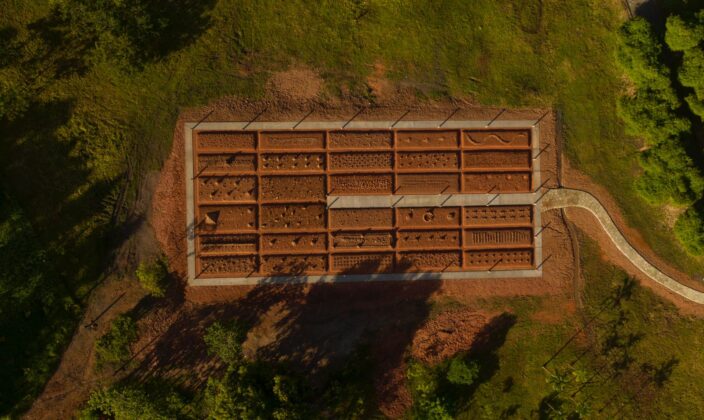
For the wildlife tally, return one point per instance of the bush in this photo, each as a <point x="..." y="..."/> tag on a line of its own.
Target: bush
<point x="462" y="372"/>
<point x="225" y="341"/>
<point x="681" y="35"/>
<point x="689" y="229"/>
<point x="114" y="346"/>
<point x="669" y="176"/>
<point x="133" y="401"/>
<point x="687" y="35"/>
<point x="154" y="277"/>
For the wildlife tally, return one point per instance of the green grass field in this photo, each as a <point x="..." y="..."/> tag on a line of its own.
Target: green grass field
<point x="90" y="118"/>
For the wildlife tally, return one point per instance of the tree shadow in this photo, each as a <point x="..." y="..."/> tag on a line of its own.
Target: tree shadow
<point x="136" y="31"/>
<point x="314" y="328"/>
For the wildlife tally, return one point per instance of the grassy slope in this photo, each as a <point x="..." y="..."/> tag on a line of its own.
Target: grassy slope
<point x="502" y="53"/>
<point x="663" y="335"/>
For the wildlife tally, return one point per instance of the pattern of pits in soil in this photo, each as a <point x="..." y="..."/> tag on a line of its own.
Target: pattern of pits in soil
<point x="441" y="160"/>
<point x="429" y="239"/>
<point x="427" y="139"/>
<point x="347" y="240"/>
<point x="289" y="140"/>
<point x="497" y="182"/>
<point x="227" y="188"/>
<point x="293" y="264"/>
<point x="295" y="242"/>
<point x="293" y="187"/>
<point x="508" y="258"/>
<point x="293" y="216"/>
<point x="498" y="215"/>
<point x="354" y="218"/>
<point x="234" y="264"/>
<point x="498" y="159"/>
<point x="228" y="243"/>
<point x="227" y="162"/>
<point x="361" y="184"/>
<point x="478" y="237"/>
<point x="423" y="260"/>
<point x="360" y="140"/>
<point x="376" y="160"/>
<point x="362" y="263"/>
<point x="226" y="140"/>
<point x="292" y="161"/>
<point x="221" y="218"/>
<point x="431" y="216"/>
<point x="497" y="138"/>
<point x="428" y="183"/>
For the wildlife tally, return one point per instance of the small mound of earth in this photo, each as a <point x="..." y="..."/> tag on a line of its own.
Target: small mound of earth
<point x="296" y="84"/>
<point x="447" y="334"/>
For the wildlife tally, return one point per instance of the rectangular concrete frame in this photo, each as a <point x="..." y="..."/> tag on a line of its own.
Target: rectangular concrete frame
<point x="375" y="201"/>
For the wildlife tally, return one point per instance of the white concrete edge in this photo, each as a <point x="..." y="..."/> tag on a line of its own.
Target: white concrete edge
<point x="189" y="127"/>
<point x="351" y="125"/>
<point x="190" y="206"/>
<point x="363" y="278"/>
<point x="429" y="200"/>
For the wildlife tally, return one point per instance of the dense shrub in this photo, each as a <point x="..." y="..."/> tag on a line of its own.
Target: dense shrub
<point x="689" y="229"/>
<point x="153" y="276"/>
<point x="687" y="36"/>
<point x="225" y="341"/>
<point x="461" y="372"/>
<point x="132" y="401"/>
<point x="669" y="175"/>
<point x="114" y="346"/>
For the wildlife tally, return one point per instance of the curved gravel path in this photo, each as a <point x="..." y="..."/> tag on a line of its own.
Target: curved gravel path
<point x="563" y="197"/>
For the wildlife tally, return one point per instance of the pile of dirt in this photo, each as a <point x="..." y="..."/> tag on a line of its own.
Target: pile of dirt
<point x="447" y="334"/>
<point x="297" y="84"/>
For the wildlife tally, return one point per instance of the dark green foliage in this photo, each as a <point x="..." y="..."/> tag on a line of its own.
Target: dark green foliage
<point x="669" y="175"/>
<point x="462" y="372"/>
<point x="687" y="35"/>
<point x="225" y="341"/>
<point x="689" y="229"/>
<point x="114" y="346"/>
<point x="153" y="276"/>
<point x="153" y="401"/>
<point x="653" y="113"/>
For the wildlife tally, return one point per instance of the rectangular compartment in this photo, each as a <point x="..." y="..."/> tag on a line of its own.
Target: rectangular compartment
<point x="496" y="138"/>
<point x="292" y="161"/>
<point x="499" y="259"/>
<point x="429" y="239"/>
<point x="362" y="263"/>
<point x="362" y="160"/>
<point x="297" y="242"/>
<point x="230" y="265"/>
<point x="226" y="218"/>
<point x="498" y="237"/>
<point x="498" y="215"/>
<point x="428" y="160"/>
<point x="497" y="182"/>
<point x="361" y="184"/>
<point x="431" y="260"/>
<point x="361" y="218"/>
<point x="232" y="162"/>
<point x="292" y="140"/>
<point x="361" y="240"/>
<point x="293" y="216"/>
<point x="361" y="139"/>
<point x="293" y="187"/>
<point x="227" y="188"/>
<point x="427" y="139"/>
<point x="225" y="140"/>
<point x="428" y="216"/>
<point x="428" y="184"/>
<point x="228" y="243"/>
<point x="480" y="159"/>
<point x="293" y="265"/>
